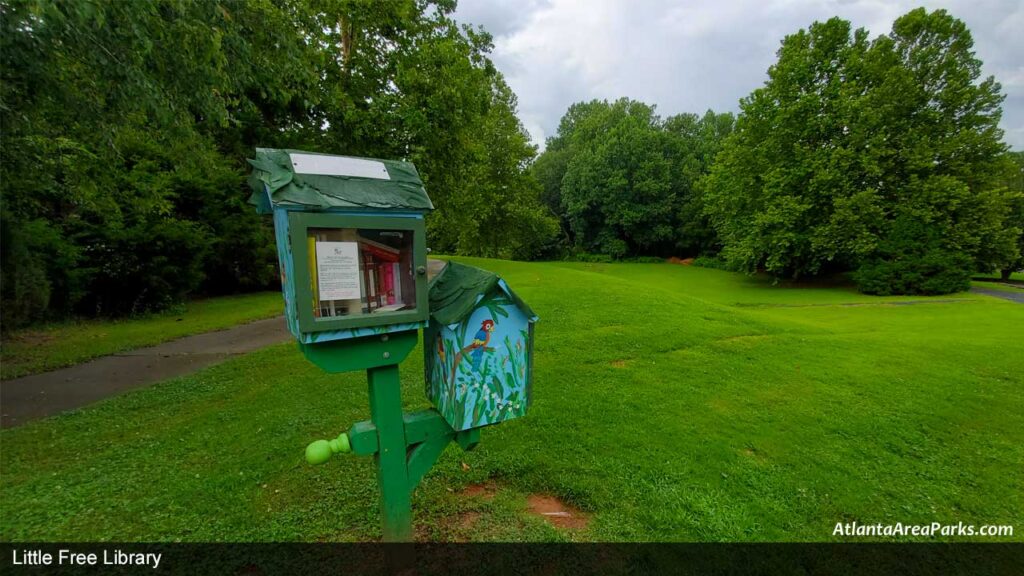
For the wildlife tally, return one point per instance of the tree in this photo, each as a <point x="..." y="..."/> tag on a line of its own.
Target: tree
<point x="851" y="143"/>
<point x="498" y="212"/>
<point x="779" y="175"/>
<point x="1015" y="188"/>
<point x="550" y="167"/>
<point x="126" y="126"/>
<point x="618" y="190"/>
<point x="696" y="142"/>
<point x="950" y="135"/>
<point x="623" y="182"/>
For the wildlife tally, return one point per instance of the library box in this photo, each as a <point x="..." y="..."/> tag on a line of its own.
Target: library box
<point x="478" y="348"/>
<point x="350" y="242"/>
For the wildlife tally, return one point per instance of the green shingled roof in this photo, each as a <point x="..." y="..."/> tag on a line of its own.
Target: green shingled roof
<point x="456" y="289"/>
<point x="399" y="188"/>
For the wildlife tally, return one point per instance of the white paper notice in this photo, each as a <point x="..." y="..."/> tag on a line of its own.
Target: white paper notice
<point x="337" y="269"/>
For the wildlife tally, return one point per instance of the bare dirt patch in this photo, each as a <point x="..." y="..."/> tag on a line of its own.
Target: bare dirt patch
<point x="485" y="490"/>
<point x="620" y="363"/>
<point x="753" y="454"/>
<point x="460" y="526"/>
<point x="743" y="339"/>
<point x="558" y="513"/>
<point x="456" y="527"/>
<point x="467" y="520"/>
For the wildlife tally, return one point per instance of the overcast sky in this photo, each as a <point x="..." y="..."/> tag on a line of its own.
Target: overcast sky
<point x="692" y="55"/>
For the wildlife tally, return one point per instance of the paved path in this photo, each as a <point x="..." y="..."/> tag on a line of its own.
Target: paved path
<point x="40" y="395"/>
<point x="1017" y="297"/>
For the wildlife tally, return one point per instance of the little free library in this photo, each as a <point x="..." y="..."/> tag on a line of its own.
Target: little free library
<point x="358" y="289"/>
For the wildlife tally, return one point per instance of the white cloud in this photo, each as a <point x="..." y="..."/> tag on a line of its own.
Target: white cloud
<point x="699" y="54"/>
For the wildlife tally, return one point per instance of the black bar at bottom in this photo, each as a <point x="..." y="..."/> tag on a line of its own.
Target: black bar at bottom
<point x="574" y="559"/>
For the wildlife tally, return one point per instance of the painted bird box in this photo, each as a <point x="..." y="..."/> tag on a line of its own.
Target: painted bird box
<point x="350" y="242"/>
<point x="478" y="348"/>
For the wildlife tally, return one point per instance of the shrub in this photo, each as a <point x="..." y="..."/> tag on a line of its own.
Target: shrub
<point x="643" y="260"/>
<point x="715" y="262"/>
<point x="146" y="267"/>
<point x="40" y="279"/>
<point x="914" y="260"/>
<point x="589" y="257"/>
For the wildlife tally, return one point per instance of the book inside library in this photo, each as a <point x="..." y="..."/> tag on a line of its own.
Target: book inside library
<point x="361" y="271"/>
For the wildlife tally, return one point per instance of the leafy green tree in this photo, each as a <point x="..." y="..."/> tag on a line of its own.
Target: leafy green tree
<point x="1015" y="191"/>
<point x="955" y="157"/>
<point x="550" y="167"/>
<point x="782" y="176"/>
<point x="498" y="212"/>
<point x="126" y="126"/>
<point x="623" y="182"/>
<point x="548" y="170"/>
<point x="111" y="113"/>
<point x="848" y="137"/>
<point x="618" y="190"/>
<point x="696" y="142"/>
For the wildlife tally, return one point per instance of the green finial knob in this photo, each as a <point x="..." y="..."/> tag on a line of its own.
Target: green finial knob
<point x="321" y="451"/>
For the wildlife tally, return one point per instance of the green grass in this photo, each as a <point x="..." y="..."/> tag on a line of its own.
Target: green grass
<point x="997" y="286"/>
<point x="1016" y="276"/>
<point x="671" y="403"/>
<point x="994" y="282"/>
<point x="51" y="347"/>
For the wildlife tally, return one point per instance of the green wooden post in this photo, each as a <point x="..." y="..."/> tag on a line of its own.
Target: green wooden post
<point x="404" y="446"/>
<point x="418" y="440"/>
<point x="392" y="473"/>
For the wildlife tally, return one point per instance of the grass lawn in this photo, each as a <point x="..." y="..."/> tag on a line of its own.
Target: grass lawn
<point x="1015" y="276"/>
<point x="994" y="282"/>
<point x="997" y="286"/>
<point x="60" y="345"/>
<point x="671" y="403"/>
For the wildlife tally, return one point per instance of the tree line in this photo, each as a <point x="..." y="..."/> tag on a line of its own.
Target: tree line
<point x="126" y="125"/>
<point x="876" y="157"/>
<point x="625" y="182"/>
